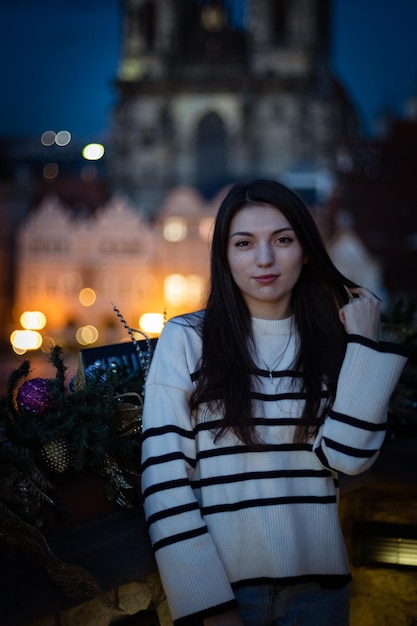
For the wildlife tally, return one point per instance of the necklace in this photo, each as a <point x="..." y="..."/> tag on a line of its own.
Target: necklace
<point x="271" y="368"/>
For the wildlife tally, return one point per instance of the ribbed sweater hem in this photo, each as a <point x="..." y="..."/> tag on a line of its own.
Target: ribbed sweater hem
<point x="326" y="581"/>
<point x="196" y="618"/>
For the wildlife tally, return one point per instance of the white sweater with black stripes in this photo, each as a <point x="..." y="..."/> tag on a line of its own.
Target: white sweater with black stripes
<point x="220" y="515"/>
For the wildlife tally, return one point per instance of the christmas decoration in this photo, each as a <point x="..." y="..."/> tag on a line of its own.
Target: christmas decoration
<point x="34" y="397"/>
<point x="53" y="434"/>
<point x="56" y="456"/>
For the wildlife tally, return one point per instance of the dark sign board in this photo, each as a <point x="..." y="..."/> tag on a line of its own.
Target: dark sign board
<point x="124" y="355"/>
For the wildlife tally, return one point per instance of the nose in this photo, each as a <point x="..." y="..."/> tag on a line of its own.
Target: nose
<point x="265" y="255"/>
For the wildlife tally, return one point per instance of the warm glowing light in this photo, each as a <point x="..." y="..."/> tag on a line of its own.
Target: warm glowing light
<point x="194" y="289"/>
<point x="389" y="545"/>
<point x="151" y="323"/>
<point x="175" y="229"/>
<point x="212" y="18"/>
<point x="33" y="320"/>
<point x="175" y="289"/>
<point x="86" y="335"/>
<point x="93" y="151"/>
<point x="48" y="138"/>
<point x="183" y="290"/>
<point x="87" y="296"/>
<point x="50" y="171"/>
<point x="63" y="138"/>
<point x="23" y="340"/>
<point x="393" y="551"/>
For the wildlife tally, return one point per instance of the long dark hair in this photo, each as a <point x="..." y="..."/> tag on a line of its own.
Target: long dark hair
<point x="226" y="367"/>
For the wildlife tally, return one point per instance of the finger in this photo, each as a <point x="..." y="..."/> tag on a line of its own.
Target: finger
<point x="362" y="292"/>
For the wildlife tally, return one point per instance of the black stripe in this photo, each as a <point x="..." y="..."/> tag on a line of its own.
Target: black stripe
<point x="279" y="373"/>
<point x="322" y="457"/>
<point x="379" y="346"/>
<point x="172" y="512"/>
<point x="242" y="449"/>
<point x="256" y="421"/>
<point x="169" y="428"/>
<point x="170" y="484"/>
<point x="266" y="373"/>
<point x="235" y="478"/>
<point x="276" y="421"/>
<point x="166" y="458"/>
<point x="291" y="395"/>
<point x="209" y="425"/>
<point x="358" y="423"/>
<point x="348" y="450"/>
<point x="260" y="502"/>
<point x="273" y="397"/>
<point x="168" y="541"/>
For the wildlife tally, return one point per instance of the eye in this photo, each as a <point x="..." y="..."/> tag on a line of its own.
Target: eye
<point x="243" y="243"/>
<point x="284" y="239"/>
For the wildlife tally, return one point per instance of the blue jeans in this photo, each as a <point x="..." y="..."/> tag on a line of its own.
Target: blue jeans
<point x="293" y="605"/>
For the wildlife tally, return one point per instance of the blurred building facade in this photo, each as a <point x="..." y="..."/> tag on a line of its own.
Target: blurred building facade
<point x="212" y="92"/>
<point x="74" y="269"/>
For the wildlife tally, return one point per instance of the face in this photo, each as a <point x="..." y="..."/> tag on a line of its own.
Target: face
<point x="265" y="259"/>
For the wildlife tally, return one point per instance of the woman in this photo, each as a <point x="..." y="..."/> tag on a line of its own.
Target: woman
<point x="252" y="407"/>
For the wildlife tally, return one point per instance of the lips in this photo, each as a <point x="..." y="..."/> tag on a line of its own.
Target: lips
<point x="266" y="279"/>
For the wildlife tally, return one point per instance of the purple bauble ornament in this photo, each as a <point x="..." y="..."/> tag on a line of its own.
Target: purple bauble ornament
<point x="34" y="396"/>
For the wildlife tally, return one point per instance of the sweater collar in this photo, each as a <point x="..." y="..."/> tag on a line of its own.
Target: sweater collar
<point x="272" y="327"/>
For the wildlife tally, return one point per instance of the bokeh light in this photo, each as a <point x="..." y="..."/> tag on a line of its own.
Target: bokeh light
<point x="195" y="287"/>
<point x="33" y="320"/>
<point x="151" y="323"/>
<point x="93" y="151"/>
<point x="205" y="228"/>
<point x="50" y="171"/>
<point x="63" y="138"/>
<point x="86" y="335"/>
<point x="87" y="296"/>
<point x="48" y="138"/>
<point x="23" y="340"/>
<point x="175" y="229"/>
<point x="175" y="289"/>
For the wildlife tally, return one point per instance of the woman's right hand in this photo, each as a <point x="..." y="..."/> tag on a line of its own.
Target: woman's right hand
<point x="361" y="315"/>
<point x="229" y="618"/>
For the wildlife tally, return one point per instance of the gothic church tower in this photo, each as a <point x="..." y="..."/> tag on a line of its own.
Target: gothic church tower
<point x="213" y="91"/>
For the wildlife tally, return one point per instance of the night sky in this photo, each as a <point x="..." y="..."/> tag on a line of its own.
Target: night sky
<point x="60" y="57"/>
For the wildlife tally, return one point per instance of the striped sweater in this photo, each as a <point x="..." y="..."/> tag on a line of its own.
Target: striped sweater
<point x="221" y="515"/>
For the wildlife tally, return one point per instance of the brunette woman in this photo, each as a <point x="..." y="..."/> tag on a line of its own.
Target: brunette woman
<point x="252" y="408"/>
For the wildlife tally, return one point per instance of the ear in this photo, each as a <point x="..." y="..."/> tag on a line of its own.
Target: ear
<point x="305" y="260"/>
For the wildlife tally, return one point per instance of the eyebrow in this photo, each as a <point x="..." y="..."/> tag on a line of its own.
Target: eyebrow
<point x="242" y="233"/>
